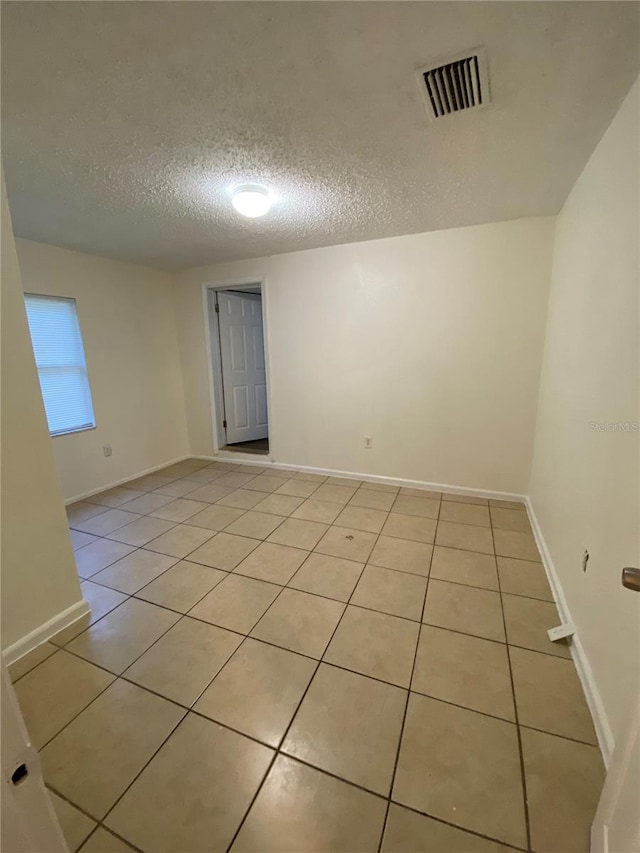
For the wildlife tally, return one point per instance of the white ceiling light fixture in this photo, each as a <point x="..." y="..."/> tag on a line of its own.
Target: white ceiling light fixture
<point x="251" y="200"/>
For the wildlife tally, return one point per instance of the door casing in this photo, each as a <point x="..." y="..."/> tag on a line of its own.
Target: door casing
<point x="616" y="826"/>
<point x="214" y="366"/>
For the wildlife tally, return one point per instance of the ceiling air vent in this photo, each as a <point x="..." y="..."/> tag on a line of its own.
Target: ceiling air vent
<point x="461" y="83"/>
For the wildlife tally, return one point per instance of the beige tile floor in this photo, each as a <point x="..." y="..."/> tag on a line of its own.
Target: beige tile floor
<point x="280" y="661"/>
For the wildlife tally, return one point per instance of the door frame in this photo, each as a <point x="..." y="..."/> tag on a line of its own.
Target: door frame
<point x="214" y="366"/>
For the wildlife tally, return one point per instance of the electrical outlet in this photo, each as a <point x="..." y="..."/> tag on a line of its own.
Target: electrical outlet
<point x="585" y="560"/>
<point x="106" y="449"/>
<point x="368" y="442"/>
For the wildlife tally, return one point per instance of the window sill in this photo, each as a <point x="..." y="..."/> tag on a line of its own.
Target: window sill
<point x="72" y="431"/>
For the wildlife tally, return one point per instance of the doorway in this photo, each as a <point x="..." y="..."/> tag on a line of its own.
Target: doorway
<point x="238" y="368"/>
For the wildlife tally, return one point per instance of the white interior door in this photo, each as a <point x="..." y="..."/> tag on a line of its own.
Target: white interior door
<point x="29" y="823"/>
<point x="243" y="368"/>
<point x="616" y="826"/>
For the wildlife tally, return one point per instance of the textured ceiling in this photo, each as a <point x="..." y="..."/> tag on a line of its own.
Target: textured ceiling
<point x="127" y="124"/>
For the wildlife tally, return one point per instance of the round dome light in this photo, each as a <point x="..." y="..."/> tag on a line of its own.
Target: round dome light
<point x="251" y="200"/>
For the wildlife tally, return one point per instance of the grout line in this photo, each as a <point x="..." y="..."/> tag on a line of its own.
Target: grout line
<point x="279" y="750"/>
<point x="236" y="631"/>
<point x="137" y="776"/>
<point x="493" y="589"/>
<point x="331" y="775"/>
<point x="458" y="826"/>
<point x="136" y="594"/>
<point x="245" y="636"/>
<point x="406" y="707"/>
<point x="293" y="717"/>
<point x="525" y="799"/>
<point x="593" y="744"/>
<point x="96" y="820"/>
<point x="192" y="709"/>
<point x="84" y="708"/>
<point x="110" y="672"/>
<point x="208" y="685"/>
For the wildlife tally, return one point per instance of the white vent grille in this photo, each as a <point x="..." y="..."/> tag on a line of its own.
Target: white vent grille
<point x="456" y="85"/>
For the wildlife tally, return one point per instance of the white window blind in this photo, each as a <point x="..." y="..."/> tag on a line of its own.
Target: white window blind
<point x="57" y="346"/>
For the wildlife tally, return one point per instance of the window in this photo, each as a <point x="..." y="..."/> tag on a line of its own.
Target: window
<point x="57" y="346"/>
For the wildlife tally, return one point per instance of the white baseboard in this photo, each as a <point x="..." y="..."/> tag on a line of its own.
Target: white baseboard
<point x="49" y="629"/>
<point x="268" y="462"/>
<point x="578" y="653"/>
<point x="230" y="456"/>
<point x="125" y="480"/>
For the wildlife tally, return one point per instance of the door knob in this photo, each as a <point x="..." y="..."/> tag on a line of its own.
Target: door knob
<point x="631" y="578"/>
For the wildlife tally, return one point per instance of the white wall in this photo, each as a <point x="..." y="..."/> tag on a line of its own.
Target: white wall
<point x="584" y="484"/>
<point x="430" y="343"/>
<point x="128" y="329"/>
<point x="39" y="579"/>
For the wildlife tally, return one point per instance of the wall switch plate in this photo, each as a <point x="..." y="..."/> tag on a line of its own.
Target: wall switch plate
<point x="368" y="442"/>
<point x="106" y="449"/>
<point x="561" y="632"/>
